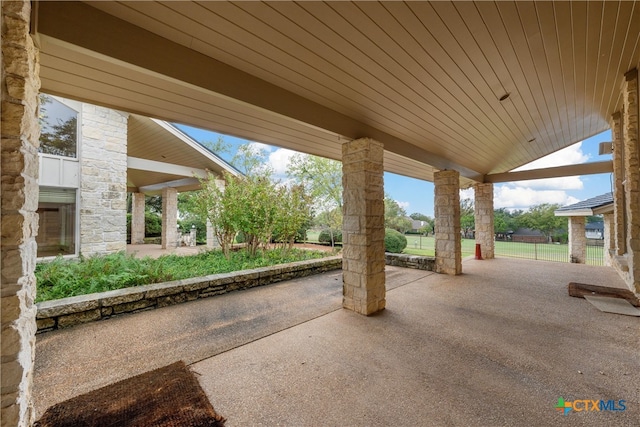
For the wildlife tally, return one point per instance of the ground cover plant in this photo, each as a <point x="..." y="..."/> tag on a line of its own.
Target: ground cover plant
<point x="63" y="278"/>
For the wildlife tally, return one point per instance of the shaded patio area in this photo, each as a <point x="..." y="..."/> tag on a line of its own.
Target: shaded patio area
<point x="497" y="345"/>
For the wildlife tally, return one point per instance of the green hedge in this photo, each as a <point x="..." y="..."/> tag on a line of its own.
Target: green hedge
<point x="325" y="236"/>
<point x="394" y="241"/>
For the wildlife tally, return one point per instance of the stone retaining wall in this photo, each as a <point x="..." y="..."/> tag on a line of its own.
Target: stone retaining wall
<point x="71" y="311"/>
<point x="410" y="261"/>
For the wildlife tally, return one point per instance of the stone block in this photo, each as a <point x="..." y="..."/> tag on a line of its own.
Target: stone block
<point x="45" y="324"/>
<point x="162" y="289"/>
<point x="133" y="306"/>
<point x="121" y="296"/>
<point x="78" y="318"/>
<point x="72" y="305"/>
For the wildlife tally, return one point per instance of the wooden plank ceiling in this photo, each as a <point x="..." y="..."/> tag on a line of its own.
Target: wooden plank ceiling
<point x="424" y="78"/>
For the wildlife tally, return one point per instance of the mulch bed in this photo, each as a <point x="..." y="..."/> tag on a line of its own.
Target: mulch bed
<point x="166" y="397"/>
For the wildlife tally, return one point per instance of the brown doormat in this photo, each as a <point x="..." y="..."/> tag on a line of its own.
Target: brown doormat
<point x="169" y="397"/>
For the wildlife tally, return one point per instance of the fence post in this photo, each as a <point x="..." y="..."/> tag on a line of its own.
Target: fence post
<point x="535" y="250"/>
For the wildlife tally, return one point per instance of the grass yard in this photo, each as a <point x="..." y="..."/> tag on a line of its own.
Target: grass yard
<point x="420" y="245"/>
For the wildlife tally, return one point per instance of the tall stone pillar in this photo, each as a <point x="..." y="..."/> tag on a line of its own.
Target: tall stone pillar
<point x="609" y="242"/>
<point x="169" y="218"/>
<point x="483" y="212"/>
<point x="632" y="175"/>
<point x="447" y="213"/>
<point x="577" y="240"/>
<point x="619" y="226"/>
<point x="212" y="239"/>
<point x="363" y="226"/>
<point x="19" y="198"/>
<point x="137" y="218"/>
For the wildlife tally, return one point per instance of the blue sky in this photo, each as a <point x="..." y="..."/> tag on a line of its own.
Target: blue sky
<point x="417" y="195"/>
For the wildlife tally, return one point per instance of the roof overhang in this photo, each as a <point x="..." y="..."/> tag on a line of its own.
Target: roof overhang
<point x="479" y="87"/>
<point x="159" y="155"/>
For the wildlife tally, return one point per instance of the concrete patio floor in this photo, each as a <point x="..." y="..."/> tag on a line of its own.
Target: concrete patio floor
<point x="496" y="346"/>
<point x="156" y="251"/>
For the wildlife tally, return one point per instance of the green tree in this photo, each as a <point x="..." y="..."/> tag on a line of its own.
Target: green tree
<point x="542" y="218"/>
<point x="293" y="212"/>
<point x="467" y="216"/>
<point x="395" y="216"/>
<point x="322" y="180"/>
<point x="419" y="216"/>
<point x="213" y="203"/>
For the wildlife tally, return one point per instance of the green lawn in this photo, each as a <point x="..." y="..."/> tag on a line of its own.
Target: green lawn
<point x="417" y="245"/>
<point x="421" y="245"/>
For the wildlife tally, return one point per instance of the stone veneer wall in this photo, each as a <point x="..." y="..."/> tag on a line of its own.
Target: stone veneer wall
<point x="630" y="125"/>
<point x="363" y="273"/>
<point x="137" y="218"/>
<point x="411" y="261"/>
<point x="609" y="242"/>
<point x="103" y="181"/>
<point x="447" y="213"/>
<point x="68" y="312"/>
<point x="169" y="217"/>
<point x="577" y="240"/>
<point x="483" y="213"/>
<point x="19" y="198"/>
<point x="618" y="236"/>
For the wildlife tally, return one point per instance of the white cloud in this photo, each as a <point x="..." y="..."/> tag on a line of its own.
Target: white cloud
<point x="279" y="159"/>
<point x="259" y="147"/>
<point x="571" y="155"/>
<point x="403" y="205"/>
<point x="519" y="197"/>
<point x="467" y="193"/>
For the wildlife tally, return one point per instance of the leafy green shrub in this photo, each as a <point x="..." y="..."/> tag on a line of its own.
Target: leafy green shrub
<point x="63" y="278"/>
<point x="152" y="225"/>
<point x="394" y="241"/>
<point x="325" y="236"/>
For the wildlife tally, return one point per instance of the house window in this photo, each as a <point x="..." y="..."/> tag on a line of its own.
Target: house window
<point x="59" y="128"/>
<point x="57" y="222"/>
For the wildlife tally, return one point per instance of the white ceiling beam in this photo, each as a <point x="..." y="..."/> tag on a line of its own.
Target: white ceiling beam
<point x="186" y="182"/>
<point x="554" y="172"/>
<point x="162" y="167"/>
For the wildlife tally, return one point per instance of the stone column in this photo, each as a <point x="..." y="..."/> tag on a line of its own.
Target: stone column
<point x="212" y="240"/>
<point x="484" y="219"/>
<point x="577" y="240"/>
<point x="103" y="183"/>
<point x="19" y="198"/>
<point x="618" y="231"/>
<point x="169" y="218"/>
<point x="609" y="243"/>
<point x="137" y="218"/>
<point x="447" y="213"/>
<point x="632" y="175"/>
<point x="363" y="226"/>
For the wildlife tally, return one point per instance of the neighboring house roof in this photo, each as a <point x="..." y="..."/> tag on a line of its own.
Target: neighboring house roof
<point x="160" y="155"/>
<point x="594" y="206"/>
<point x="594" y="226"/>
<point x="527" y="232"/>
<point x="417" y="224"/>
